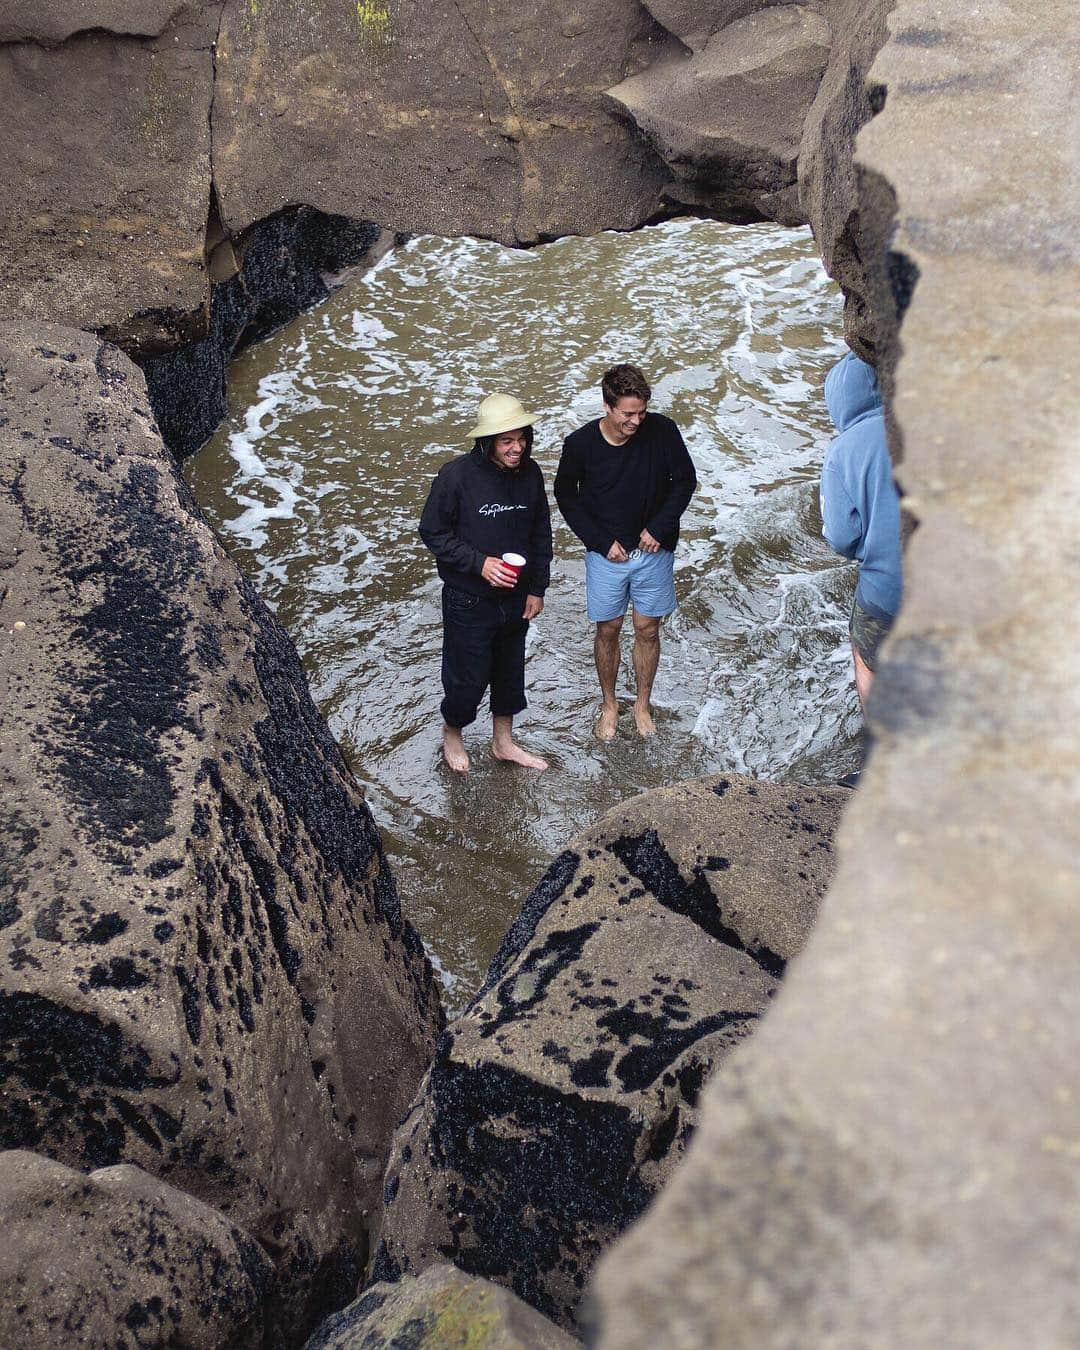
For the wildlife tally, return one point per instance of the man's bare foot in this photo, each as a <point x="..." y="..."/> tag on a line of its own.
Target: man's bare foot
<point x="453" y="749"/>
<point x="643" y="720"/>
<point x="606" y="722"/>
<point x="513" y="754"/>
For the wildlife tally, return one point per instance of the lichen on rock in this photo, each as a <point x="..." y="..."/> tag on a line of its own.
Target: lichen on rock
<point x="559" y="1102"/>
<point x="206" y="971"/>
<point x="441" y="1309"/>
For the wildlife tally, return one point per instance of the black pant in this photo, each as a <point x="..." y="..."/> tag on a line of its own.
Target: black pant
<point x="483" y="644"/>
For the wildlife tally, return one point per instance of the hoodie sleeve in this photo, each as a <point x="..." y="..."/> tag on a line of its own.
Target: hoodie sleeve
<point x="840" y="521"/>
<point x="683" y="480"/>
<point x="540" y="546"/>
<point x="438" y="526"/>
<point x="568" y="495"/>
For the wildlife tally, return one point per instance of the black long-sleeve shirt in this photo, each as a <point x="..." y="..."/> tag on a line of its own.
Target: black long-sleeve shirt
<point x="476" y="510"/>
<point x="608" y="492"/>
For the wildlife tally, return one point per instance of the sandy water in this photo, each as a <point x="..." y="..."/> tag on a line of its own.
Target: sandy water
<point x="339" y="422"/>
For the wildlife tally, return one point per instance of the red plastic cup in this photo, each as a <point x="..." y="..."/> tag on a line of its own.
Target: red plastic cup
<point x="515" y="562"/>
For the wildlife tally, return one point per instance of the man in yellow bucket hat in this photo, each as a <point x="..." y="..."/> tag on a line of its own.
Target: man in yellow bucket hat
<point x="488" y="522"/>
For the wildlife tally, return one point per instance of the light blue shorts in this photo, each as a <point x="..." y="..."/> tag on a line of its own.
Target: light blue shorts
<point x="647" y="580"/>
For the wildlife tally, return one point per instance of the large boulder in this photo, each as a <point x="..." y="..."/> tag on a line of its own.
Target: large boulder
<point x="454" y="117"/>
<point x="892" y="1161"/>
<point x="105" y="166"/>
<point x="151" y="144"/>
<point x="120" y="1259"/>
<point x="728" y="119"/>
<point x="441" y="1309"/>
<point x="205" y="970"/>
<point x="558" y="1104"/>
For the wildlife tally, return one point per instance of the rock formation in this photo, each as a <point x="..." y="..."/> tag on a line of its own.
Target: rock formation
<point x="106" y="166"/>
<point x="121" y="1259"/>
<point x="559" y="1102"/>
<point x="442" y="1309"/>
<point x="456" y="118"/>
<point x="134" y="130"/>
<point x="149" y="144"/>
<point x="829" y="184"/>
<point x="206" y="971"/>
<point x="892" y="1161"/>
<point x="728" y="118"/>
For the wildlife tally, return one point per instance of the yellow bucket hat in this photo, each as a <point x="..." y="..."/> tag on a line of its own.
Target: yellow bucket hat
<point x="499" y="413"/>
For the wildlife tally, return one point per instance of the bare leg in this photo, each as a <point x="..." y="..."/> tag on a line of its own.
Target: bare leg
<point x="606" y="652"/>
<point x="864" y="677"/>
<point x="453" y="749"/>
<point x="646" y="659"/>
<point x="504" y="747"/>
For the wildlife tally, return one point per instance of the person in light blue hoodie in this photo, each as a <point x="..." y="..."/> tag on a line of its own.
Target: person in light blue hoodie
<point x="860" y="508"/>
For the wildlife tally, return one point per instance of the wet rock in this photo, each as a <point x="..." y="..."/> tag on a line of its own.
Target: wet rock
<point x="728" y="119"/>
<point x="204" y="966"/>
<point x="442" y="1309"/>
<point x="559" y="1103"/>
<point x="892" y="1161"/>
<point x="117" y="1258"/>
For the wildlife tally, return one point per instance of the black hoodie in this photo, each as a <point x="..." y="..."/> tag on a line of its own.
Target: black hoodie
<point x="476" y="510"/>
<point x="613" y="492"/>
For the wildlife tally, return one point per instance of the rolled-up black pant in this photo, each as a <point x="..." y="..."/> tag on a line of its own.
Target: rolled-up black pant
<point x="483" y="645"/>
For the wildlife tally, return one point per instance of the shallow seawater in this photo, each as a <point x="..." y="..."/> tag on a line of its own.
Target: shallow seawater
<point x="338" y="424"/>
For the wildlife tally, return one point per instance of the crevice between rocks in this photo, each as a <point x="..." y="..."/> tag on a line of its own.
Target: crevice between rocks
<point x="283" y="263"/>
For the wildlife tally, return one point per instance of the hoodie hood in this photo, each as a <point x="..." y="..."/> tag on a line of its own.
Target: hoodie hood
<point x="851" y="391"/>
<point x="860" y="506"/>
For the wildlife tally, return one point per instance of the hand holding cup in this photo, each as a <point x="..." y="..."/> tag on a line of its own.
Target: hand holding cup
<point x="500" y="572"/>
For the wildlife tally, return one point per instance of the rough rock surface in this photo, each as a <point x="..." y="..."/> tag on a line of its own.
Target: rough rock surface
<point x="460" y="117"/>
<point x="145" y="142"/>
<point x="559" y="1102"/>
<point x="728" y="119"/>
<point x="204" y="966"/>
<point x="829" y="187"/>
<point x="50" y="22"/>
<point x="441" y="1309"/>
<point x="892" y="1161"/>
<point x="120" y="1259"/>
<point x="105" y="166"/>
<point x="473" y="118"/>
